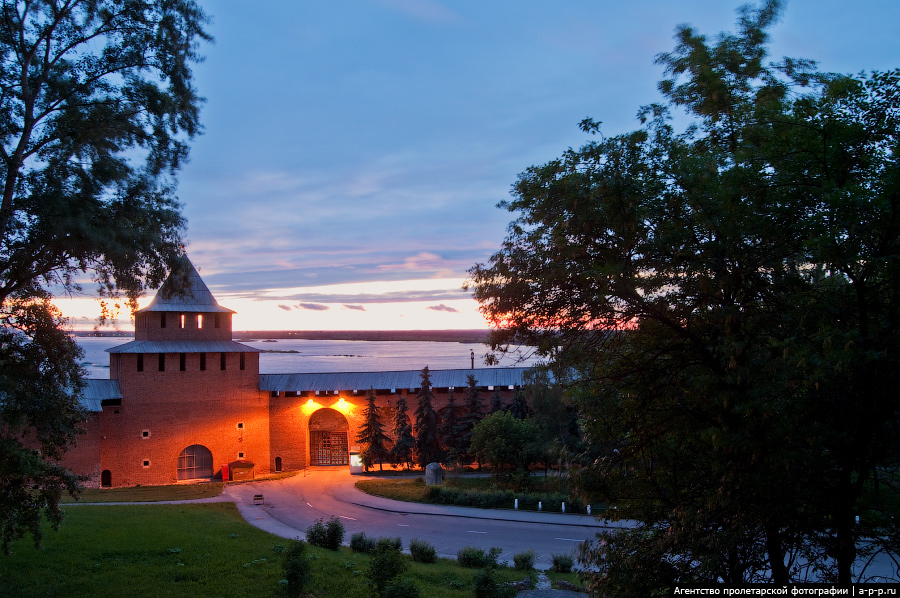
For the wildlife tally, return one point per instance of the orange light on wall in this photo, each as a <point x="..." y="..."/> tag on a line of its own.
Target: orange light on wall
<point x="343" y="406"/>
<point x="310" y="406"/>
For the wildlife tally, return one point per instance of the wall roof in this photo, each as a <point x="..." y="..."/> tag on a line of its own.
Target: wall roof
<point x="97" y="391"/>
<point x="385" y="380"/>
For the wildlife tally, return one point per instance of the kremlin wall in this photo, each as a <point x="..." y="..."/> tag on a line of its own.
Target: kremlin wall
<point x="183" y="400"/>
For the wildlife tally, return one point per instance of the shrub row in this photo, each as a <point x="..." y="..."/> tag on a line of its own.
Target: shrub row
<point x="359" y="542"/>
<point x="476" y="558"/>
<point x="419" y="550"/>
<point x="504" y="499"/>
<point x="389" y="564"/>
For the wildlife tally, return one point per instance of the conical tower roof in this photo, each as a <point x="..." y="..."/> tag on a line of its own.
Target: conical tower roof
<point x="185" y="291"/>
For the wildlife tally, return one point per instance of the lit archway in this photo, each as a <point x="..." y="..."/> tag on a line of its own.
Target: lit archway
<point x="328" y="442"/>
<point x="195" y="462"/>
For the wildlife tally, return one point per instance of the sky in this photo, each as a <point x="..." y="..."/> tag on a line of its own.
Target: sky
<point x="354" y="152"/>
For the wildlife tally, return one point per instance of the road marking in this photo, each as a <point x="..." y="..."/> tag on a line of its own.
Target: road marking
<point x="403" y="524"/>
<point x="471" y="532"/>
<point x="343" y="517"/>
<point x="310" y="506"/>
<point x="568" y="539"/>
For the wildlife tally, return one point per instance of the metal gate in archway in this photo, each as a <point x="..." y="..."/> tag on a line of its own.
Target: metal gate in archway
<point x="328" y="448"/>
<point x="328" y="432"/>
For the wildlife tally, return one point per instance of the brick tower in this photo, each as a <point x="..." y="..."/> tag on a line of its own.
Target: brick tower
<point x="191" y="401"/>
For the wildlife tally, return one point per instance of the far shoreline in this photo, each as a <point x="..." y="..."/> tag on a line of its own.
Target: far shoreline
<point x="447" y="336"/>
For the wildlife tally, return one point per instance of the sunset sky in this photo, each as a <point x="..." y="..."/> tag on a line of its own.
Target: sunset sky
<point x="354" y="152"/>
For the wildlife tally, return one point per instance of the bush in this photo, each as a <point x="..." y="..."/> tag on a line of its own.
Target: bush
<point x="524" y="561"/>
<point x="401" y="588"/>
<point x="328" y="535"/>
<point x="384" y="544"/>
<point x="421" y="551"/>
<point x="485" y="586"/>
<point x="360" y="543"/>
<point x="385" y="567"/>
<point x="297" y="568"/>
<point x="562" y="563"/>
<point x="475" y="558"/>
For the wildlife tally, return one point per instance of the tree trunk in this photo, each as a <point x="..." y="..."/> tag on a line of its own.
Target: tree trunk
<point x="775" y="549"/>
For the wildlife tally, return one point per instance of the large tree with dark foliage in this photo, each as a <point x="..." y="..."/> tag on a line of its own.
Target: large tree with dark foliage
<point x="96" y="109"/>
<point x="723" y="302"/>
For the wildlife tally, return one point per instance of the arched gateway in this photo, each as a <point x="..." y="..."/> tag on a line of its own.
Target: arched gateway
<point x="328" y="438"/>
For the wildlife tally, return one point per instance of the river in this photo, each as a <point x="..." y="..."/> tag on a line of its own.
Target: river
<point x="300" y="356"/>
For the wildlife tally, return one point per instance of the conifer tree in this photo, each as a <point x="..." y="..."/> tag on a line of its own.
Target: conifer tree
<point x="519" y="406"/>
<point x="404" y="441"/>
<point x="428" y="446"/>
<point x="496" y="401"/>
<point x="372" y="435"/>
<point x="474" y="412"/>
<point x="451" y="428"/>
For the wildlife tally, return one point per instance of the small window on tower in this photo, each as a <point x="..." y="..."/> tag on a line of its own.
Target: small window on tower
<point x="162" y="362"/>
<point x="240" y="455"/>
<point x="222" y="361"/>
<point x="243" y="360"/>
<point x="140" y="362"/>
<point x="145" y="434"/>
<point x="162" y="319"/>
<point x="240" y="425"/>
<point x="146" y="462"/>
<point x="181" y="322"/>
<point x="203" y="362"/>
<point x="182" y="361"/>
<point x="199" y="320"/>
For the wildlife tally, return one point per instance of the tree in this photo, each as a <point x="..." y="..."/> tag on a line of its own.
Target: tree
<point x="474" y="413"/>
<point x="509" y="444"/>
<point x="496" y="402"/>
<point x="404" y="441"/>
<point x="451" y="430"/>
<point x="555" y="417"/>
<point x="372" y="435"/>
<point x="428" y="444"/>
<point x="722" y="302"/>
<point x="519" y="406"/>
<point x="97" y="110"/>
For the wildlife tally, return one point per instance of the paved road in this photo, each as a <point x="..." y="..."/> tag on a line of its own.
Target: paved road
<point x="293" y="504"/>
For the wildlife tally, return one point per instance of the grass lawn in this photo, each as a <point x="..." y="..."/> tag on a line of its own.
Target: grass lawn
<point x="414" y="489"/>
<point x="410" y="490"/>
<point x="148" y="493"/>
<point x="199" y="550"/>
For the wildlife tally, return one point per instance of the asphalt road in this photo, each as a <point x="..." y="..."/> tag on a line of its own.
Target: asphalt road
<point x="291" y="505"/>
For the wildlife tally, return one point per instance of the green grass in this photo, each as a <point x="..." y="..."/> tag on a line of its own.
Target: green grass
<point x="479" y="492"/>
<point x="188" y="491"/>
<point x="148" y="493"/>
<point x="200" y="550"/>
<point x="405" y="489"/>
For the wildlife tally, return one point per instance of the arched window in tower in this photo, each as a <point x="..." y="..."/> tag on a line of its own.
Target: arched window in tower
<point x="195" y="462"/>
